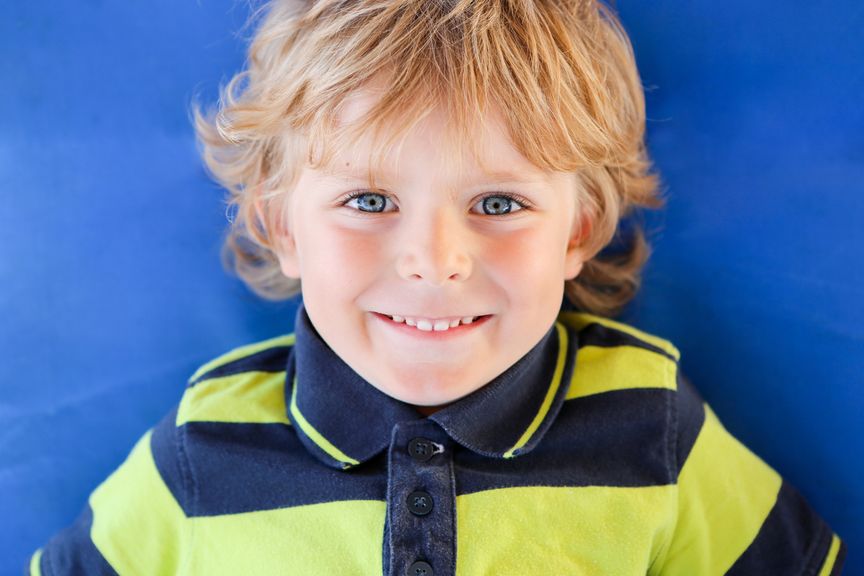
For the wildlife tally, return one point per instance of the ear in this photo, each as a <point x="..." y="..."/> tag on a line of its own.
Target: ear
<point x="282" y="243"/>
<point x="576" y="255"/>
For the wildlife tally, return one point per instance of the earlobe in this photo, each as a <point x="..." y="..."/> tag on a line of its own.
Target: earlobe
<point x="573" y="265"/>
<point x="576" y="255"/>
<point x="286" y="251"/>
<point x="285" y="248"/>
<point x="282" y="244"/>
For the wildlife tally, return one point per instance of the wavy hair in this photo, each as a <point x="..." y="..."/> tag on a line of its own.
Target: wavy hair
<point x="564" y="68"/>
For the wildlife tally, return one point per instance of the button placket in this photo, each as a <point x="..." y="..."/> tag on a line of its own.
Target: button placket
<point x="421" y="529"/>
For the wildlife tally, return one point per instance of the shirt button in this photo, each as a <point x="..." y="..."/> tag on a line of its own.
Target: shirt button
<point x="420" y="568"/>
<point x="420" y="449"/>
<point x="420" y="503"/>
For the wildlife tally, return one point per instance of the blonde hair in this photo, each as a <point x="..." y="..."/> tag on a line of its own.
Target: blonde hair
<point x="564" y="68"/>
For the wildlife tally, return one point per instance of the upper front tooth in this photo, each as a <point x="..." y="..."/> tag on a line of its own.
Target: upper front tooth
<point x="429" y="325"/>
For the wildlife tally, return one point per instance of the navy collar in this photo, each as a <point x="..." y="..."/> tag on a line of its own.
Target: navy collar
<point x="344" y="421"/>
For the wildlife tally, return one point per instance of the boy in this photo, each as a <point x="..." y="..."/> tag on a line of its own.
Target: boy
<point x="442" y="176"/>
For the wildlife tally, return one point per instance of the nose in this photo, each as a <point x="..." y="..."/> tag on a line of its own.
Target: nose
<point x="435" y="249"/>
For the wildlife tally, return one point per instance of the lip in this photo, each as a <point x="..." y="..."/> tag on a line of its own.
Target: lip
<point x="431" y="335"/>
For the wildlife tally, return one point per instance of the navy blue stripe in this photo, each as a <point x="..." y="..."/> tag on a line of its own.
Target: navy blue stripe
<point x="247" y="467"/>
<point x="170" y="460"/>
<point x="613" y="439"/>
<point x="268" y="360"/>
<point x="599" y="335"/>
<point x="791" y="537"/>
<point x="71" y="551"/>
<point x="690" y="416"/>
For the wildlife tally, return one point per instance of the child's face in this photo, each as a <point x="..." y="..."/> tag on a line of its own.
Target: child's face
<point x="427" y="247"/>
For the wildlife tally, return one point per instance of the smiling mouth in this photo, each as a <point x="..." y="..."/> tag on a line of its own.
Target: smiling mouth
<point x="433" y="325"/>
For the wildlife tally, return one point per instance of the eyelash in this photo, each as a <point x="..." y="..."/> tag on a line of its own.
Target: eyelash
<point x="523" y="203"/>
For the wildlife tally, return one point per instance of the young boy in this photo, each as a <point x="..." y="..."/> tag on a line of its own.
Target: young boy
<point x="442" y="176"/>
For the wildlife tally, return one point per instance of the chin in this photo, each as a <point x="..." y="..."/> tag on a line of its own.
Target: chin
<point x="428" y="387"/>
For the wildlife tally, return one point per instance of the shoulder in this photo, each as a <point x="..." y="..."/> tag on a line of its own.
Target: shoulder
<point x="231" y="402"/>
<point x="245" y="384"/>
<point x="637" y="375"/>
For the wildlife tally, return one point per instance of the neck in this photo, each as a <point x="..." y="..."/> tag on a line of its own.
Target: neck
<point x="428" y="410"/>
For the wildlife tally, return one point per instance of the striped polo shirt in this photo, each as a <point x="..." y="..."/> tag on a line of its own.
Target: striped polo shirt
<point x="591" y="455"/>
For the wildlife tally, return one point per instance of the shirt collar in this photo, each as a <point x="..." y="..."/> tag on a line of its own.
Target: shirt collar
<point x="344" y="421"/>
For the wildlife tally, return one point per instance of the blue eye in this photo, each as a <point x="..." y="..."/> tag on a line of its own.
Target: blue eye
<point x="500" y="204"/>
<point x="367" y="201"/>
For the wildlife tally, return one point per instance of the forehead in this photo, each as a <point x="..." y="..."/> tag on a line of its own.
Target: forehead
<point x="481" y="150"/>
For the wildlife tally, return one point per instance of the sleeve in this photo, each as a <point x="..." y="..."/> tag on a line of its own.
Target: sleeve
<point x="736" y="516"/>
<point x="133" y="523"/>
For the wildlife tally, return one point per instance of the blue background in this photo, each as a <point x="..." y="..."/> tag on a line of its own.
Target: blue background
<point x="113" y="293"/>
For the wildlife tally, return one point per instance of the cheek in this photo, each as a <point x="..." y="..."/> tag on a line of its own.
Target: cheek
<point x="530" y="261"/>
<point x="336" y="255"/>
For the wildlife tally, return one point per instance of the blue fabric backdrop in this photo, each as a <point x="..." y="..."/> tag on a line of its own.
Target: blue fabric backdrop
<point x="112" y="291"/>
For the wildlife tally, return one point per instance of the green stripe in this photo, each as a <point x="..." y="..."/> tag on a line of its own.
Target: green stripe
<point x="242" y="352"/>
<point x="35" y="560"/>
<point x="316" y="436"/>
<point x="550" y="393"/>
<point x="831" y="559"/>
